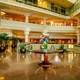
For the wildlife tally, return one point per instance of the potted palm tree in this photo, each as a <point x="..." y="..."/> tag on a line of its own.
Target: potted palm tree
<point x="62" y="49"/>
<point x="14" y="43"/>
<point x="3" y="42"/>
<point x="22" y="48"/>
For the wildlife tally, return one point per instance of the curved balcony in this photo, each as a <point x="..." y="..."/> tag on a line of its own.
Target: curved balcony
<point x="10" y="24"/>
<point x="51" y="10"/>
<point x="76" y="8"/>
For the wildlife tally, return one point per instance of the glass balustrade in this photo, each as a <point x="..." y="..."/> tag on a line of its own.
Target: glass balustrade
<point x="47" y="6"/>
<point x="36" y="27"/>
<point x="76" y="6"/>
<point x="52" y="7"/>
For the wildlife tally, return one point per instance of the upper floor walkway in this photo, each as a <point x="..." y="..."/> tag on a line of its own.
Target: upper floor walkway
<point x="17" y="25"/>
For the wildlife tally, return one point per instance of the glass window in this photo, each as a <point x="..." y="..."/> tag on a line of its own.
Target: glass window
<point x="22" y="1"/>
<point x="31" y="1"/>
<point x="62" y="10"/>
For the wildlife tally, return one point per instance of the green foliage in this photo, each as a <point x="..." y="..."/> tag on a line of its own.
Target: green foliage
<point x="22" y="45"/>
<point x="4" y="37"/>
<point x="14" y="38"/>
<point x="61" y="47"/>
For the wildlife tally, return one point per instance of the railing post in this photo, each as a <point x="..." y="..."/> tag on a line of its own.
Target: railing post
<point x="0" y="16"/>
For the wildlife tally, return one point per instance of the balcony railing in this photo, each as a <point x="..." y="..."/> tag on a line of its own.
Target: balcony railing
<point x="76" y="6"/>
<point x="50" y="10"/>
<point x="53" y="8"/>
<point x="10" y="24"/>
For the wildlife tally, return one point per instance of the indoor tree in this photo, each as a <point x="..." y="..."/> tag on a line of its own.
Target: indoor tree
<point x="3" y="41"/>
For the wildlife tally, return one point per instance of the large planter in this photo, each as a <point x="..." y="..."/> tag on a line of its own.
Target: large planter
<point x="61" y="49"/>
<point x="22" y="47"/>
<point x="14" y="43"/>
<point x="3" y="42"/>
<point x="2" y="48"/>
<point x="23" y="50"/>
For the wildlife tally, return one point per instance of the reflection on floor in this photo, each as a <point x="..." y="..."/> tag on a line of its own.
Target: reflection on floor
<point x="20" y="67"/>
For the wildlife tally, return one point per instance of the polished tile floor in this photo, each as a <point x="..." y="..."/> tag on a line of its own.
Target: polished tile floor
<point x="20" y="67"/>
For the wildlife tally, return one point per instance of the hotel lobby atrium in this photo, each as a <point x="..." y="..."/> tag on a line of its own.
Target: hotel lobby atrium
<point x="39" y="39"/>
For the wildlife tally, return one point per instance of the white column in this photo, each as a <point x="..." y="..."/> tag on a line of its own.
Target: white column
<point x="72" y="41"/>
<point x="78" y="30"/>
<point x="27" y="18"/>
<point x="44" y="20"/>
<point x="0" y="16"/>
<point x="26" y="32"/>
<point x="78" y="37"/>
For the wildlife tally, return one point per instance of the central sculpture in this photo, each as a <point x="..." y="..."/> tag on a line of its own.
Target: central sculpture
<point x="44" y="47"/>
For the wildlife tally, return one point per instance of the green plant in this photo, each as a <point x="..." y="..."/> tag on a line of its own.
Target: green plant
<point x="3" y="41"/>
<point x="22" y="45"/>
<point x="22" y="48"/>
<point x="62" y="49"/>
<point x="4" y="37"/>
<point x="14" y="41"/>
